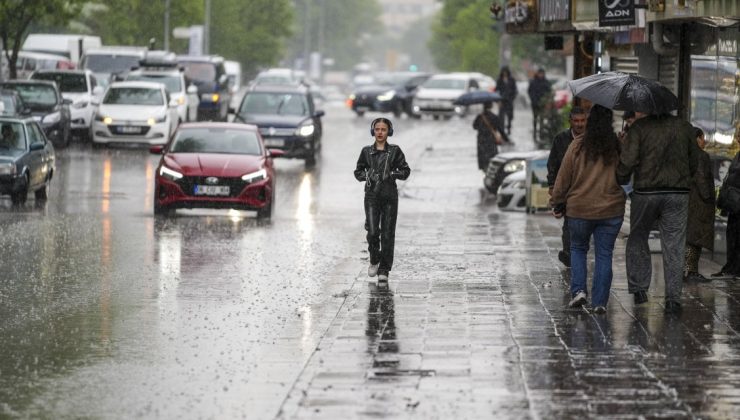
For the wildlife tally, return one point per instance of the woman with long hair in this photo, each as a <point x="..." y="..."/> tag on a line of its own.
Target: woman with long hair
<point x="586" y="192"/>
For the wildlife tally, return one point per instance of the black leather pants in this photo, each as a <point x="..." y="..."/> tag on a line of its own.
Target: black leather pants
<point x="381" y="211"/>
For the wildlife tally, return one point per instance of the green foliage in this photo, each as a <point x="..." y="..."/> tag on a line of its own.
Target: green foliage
<point x="16" y="17"/>
<point x="464" y="39"/>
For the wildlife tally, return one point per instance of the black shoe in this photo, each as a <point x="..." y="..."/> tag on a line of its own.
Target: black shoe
<point x="640" y="297"/>
<point x="722" y="275"/>
<point x="694" y="276"/>
<point x="564" y="258"/>
<point x="672" y="307"/>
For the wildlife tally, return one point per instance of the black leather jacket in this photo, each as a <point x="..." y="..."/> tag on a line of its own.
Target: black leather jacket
<point x="381" y="166"/>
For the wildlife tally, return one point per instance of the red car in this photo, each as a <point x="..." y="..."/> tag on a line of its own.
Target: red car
<point x="215" y="165"/>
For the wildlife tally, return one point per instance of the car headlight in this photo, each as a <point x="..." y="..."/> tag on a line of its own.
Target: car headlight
<point x="181" y="100"/>
<point x="52" y="118"/>
<point x="387" y="96"/>
<point x="352" y="97"/>
<point x="255" y="176"/>
<point x="211" y="97"/>
<point x="105" y="120"/>
<point x="80" y="105"/>
<point x="305" y="130"/>
<point x="7" y="169"/>
<point x="169" y="173"/>
<point x="514" y="165"/>
<point x="160" y="119"/>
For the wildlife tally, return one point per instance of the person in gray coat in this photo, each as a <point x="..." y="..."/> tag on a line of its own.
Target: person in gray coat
<point x="700" y="228"/>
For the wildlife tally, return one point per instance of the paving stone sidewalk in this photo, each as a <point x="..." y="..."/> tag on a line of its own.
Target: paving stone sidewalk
<point x="474" y="325"/>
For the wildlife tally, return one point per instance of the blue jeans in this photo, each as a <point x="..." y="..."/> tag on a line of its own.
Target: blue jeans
<point x="605" y="233"/>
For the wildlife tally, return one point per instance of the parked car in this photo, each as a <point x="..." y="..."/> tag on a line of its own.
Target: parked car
<point x="12" y="104"/>
<point x="111" y="63"/>
<point x="435" y="97"/>
<point x="391" y="92"/>
<point x="505" y="164"/>
<point x="78" y="86"/>
<point x="29" y="62"/>
<point x="209" y="75"/>
<point x="47" y="106"/>
<point x="164" y="69"/>
<point x="134" y="112"/>
<point x="216" y="165"/>
<point x="27" y="160"/>
<point x="287" y="119"/>
<point x="512" y="194"/>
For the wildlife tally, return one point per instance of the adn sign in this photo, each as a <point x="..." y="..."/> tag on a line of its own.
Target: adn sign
<point x="616" y="12"/>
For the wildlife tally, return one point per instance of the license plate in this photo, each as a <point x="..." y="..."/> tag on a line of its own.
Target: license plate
<point x="274" y="142"/>
<point x="212" y="190"/>
<point x="129" y="129"/>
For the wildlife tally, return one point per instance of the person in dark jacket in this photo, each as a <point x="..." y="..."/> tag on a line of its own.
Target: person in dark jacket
<point x="540" y="92"/>
<point x="506" y="87"/>
<point x="559" y="146"/>
<point x="700" y="229"/>
<point x="490" y="132"/>
<point x="732" y="234"/>
<point x="661" y="154"/>
<point x="379" y="166"/>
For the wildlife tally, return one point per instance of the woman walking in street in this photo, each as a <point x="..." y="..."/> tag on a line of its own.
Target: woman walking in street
<point x="732" y="266"/>
<point x="506" y="87"/>
<point x="586" y="192"/>
<point x="379" y="166"/>
<point x="490" y="135"/>
<point x="700" y="227"/>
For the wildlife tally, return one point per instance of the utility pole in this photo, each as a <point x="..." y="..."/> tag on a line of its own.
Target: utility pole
<point x="306" y="35"/>
<point x="166" y="25"/>
<point x="207" y="29"/>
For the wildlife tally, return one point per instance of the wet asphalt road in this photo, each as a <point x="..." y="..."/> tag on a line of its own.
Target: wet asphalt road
<point x="110" y="313"/>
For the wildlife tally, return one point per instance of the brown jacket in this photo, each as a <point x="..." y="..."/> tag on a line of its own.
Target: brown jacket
<point x="588" y="189"/>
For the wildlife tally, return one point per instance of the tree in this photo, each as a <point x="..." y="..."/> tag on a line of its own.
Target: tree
<point x="16" y="17"/>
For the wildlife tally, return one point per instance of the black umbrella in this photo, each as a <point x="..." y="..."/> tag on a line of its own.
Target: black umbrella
<point x="625" y="92"/>
<point x="477" y="97"/>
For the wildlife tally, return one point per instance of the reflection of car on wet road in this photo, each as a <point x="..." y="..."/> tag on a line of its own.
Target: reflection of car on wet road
<point x="27" y="160"/>
<point x="287" y="119"/>
<point x="504" y="164"/>
<point x="215" y="165"/>
<point x="512" y="194"/>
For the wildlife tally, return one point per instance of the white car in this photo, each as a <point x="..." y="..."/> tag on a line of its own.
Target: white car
<point x="79" y="87"/>
<point x="183" y="97"/>
<point x="134" y="112"/>
<point x="435" y="97"/>
<point x="512" y="194"/>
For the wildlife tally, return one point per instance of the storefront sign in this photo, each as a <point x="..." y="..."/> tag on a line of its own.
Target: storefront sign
<point x="616" y="12"/>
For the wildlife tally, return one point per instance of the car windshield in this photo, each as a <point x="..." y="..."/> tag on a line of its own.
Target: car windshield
<point x="216" y="140"/>
<point x="35" y="95"/>
<point x="171" y="83"/>
<point x="458" y="84"/>
<point x="274" y="79"/>
<point x="133" y="96"/>
<point x="274" y="103"/>
<point x="12" y="138"/>
<point x="67" y="82"/>
<point x="201" y="72"/>
<point x="110" y="63"/>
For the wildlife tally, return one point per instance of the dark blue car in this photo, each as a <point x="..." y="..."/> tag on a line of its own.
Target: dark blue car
<point x="209" y="75"/>
<point x="27" y="160"/>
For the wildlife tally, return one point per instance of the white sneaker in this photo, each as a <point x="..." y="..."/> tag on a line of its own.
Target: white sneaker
<point x="382" y="277"/>
<point x="372" y="271"/>
<point x="578" y="300"/>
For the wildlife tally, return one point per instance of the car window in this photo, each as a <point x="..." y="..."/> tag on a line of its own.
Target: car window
<point x="445" y="84"/>
<point x="34" y="134"/>
<point x="67" y="82"/>
<point x="36" y="95"/>
<point x="29" y="64"/>
<point x="133" y="96"/>
<point x="8" y="105"/>
<point x="216" y="140"/>
<point x="171" y="83"/>
<point x="110" y="63"/>
<point x="12" y="138"/>
<point x="202" y="72"/>
<point x="274" y="103"/>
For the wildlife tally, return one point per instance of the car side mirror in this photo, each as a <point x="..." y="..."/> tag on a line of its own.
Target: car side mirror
<point x="67" y="101"/>
<point x="156" y="150"/>
<point x="36" y="146"/>
<point x="319" y="114"/>
<point x="276" y="153"/>
<point x="223" y="79"/>
<point x="98" y="91"/>
<point x="192" y="89"/>
<point x="26" y="111"/>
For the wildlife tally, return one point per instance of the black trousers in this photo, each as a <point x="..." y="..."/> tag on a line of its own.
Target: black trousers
<point x="506" y="114"/>
<point x="381" y="211"/>
<point x="732" y="266"/>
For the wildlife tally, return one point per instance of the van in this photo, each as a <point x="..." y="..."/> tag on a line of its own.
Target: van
<point x="69" y="45"/>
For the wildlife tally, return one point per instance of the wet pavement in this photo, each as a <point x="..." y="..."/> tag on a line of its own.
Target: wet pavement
<point x="108" y="312"/>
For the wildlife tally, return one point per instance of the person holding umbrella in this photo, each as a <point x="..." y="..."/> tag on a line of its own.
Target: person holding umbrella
<point x="490" y="135"/>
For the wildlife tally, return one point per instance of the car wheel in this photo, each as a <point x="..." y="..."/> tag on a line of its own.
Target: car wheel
<point x="266" y="212"/>
<point x="41" y="194"/>
<point x="19" y="198"/>
<point x="397" y="110"/>
<point x="160" y="210"/>
<point x="360" y="113"/>
<point x="311" y="159"/>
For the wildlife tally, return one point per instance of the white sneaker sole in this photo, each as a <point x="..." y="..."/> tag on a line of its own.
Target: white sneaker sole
<point x="372" y="271"/>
